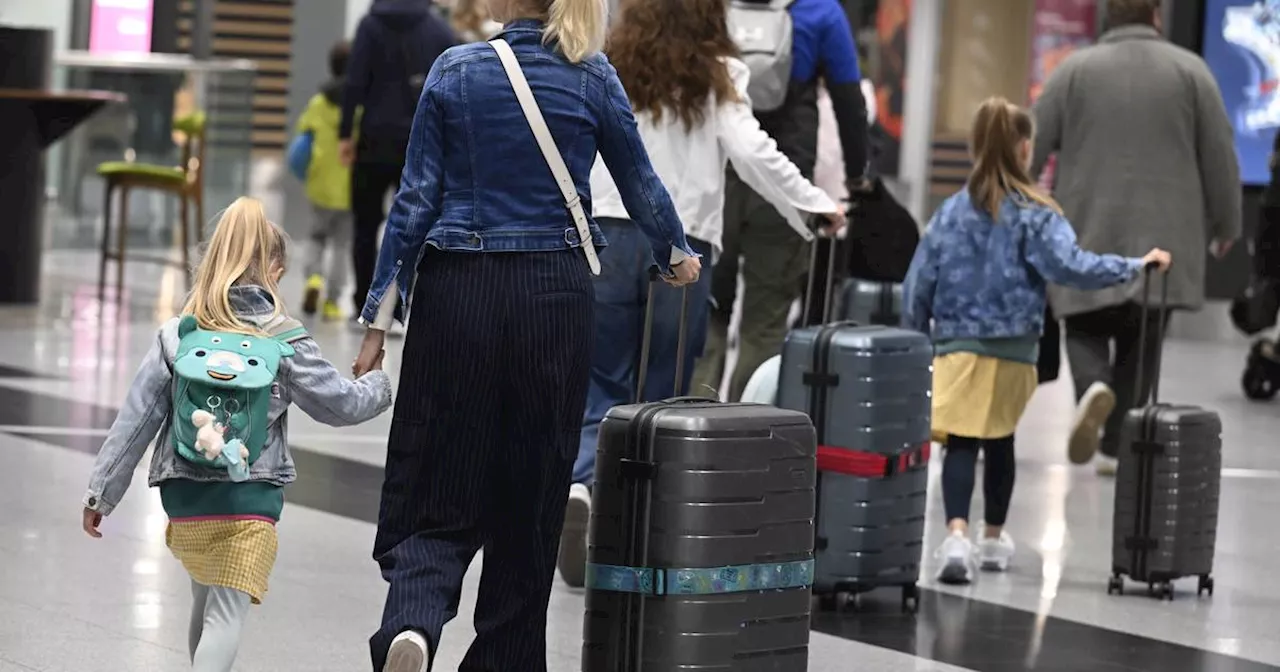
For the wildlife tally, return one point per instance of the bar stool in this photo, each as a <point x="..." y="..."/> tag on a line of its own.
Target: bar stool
<point x="185" y="181"/>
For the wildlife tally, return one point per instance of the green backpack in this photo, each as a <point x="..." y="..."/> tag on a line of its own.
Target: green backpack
<point x="223" y="384"/>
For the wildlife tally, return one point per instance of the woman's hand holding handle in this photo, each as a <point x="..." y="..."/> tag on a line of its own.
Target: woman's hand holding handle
<point x="1157" y="259"/>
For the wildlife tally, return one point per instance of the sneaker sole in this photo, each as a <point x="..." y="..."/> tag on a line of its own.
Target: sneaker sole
<point x="311" y="301"/>
<point x="994" y="565"/>
<point x="1084" y="441"/>
<point x="405" y="656"/>
<point x="954" y="574"/>
<point x="572" y="560"/>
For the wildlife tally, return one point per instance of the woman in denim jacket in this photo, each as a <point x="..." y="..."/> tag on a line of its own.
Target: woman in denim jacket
<point x="494" y="377"/>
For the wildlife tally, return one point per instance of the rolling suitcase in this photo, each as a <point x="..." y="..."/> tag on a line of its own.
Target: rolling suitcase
<point x="700" y="551"/>
<point x="871" y="302"/>
<point x="866" y="389"/>
<point x="1167" y="487"/>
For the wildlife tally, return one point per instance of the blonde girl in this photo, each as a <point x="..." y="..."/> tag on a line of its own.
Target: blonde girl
<point x="222" y="527"/>
<point x="977" y="284"/>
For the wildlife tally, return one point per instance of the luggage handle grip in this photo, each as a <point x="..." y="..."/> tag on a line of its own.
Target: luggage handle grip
<point x="1148" y="270"/>
<point x="642" y="371"/>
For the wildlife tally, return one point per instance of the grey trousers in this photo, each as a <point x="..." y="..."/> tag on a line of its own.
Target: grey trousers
<point x="217" y="617"/>
<point x="330" y="232"/>
<point x="1103" y="346"/>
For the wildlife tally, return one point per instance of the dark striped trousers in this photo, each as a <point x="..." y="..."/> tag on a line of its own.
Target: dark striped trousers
<point x="483" y="438"/>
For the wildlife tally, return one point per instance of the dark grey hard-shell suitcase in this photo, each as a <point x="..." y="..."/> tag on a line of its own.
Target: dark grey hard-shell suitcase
<point x="700" y="551"/>
<point x="1167" y="488"/>
<point x="866" y="389"/>
<point x="871" y="302"/>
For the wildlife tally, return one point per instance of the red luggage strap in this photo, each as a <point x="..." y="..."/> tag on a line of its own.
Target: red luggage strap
<point x="872" y="465"/>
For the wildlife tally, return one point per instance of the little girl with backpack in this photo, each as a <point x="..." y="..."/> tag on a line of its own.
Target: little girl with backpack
<point x="216" y="387"/>
<point x="977" y="284"/>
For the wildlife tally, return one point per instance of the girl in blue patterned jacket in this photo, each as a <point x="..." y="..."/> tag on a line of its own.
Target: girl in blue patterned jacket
<point x="977" y="284"/>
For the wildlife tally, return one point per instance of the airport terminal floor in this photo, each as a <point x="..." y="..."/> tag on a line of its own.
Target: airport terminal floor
<point x="70" y="603"/>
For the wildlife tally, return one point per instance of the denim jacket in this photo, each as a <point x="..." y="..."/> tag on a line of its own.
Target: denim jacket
<point x="977" y="278"/>
<point x="475" y="181"/>
<point x="306" y="379"/>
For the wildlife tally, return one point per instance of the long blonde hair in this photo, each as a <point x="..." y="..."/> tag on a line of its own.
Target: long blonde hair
<point x="244" y="249"/>
<point x="999" y="128"/>
<point x="579" y="27"/>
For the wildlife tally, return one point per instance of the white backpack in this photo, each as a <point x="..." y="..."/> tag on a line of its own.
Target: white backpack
<point x="763" y="33"/>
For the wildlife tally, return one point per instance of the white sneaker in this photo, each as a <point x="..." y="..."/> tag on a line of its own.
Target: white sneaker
<point x="408" y="653"/>
<point x="1106" y="466"/>
<point x="956" y="554"/>
<point x="995" y="554"/>
<point x="1091" y="416"/>
<point x="573" y="539"/>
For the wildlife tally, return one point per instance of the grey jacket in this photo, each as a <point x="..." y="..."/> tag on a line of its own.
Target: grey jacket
<point x="1145" y="159"/>
<point x="306" y="379"/>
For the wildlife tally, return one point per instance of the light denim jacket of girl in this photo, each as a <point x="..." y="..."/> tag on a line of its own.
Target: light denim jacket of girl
<point x="475" y="181"/>
<point x="976" y="278"/>
<point x="306" y="379"/>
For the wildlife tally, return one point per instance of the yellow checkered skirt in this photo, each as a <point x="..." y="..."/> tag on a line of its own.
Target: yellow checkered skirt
<point x="227" y="552"/>
<point x="979" y="397"/>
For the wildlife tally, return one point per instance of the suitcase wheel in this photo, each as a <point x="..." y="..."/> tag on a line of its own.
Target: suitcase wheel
<point x="910" y="598"/>
<point x="1162" y="590"/>
<point x="1206" y="585"/>
<point x="1115" y="586"/>
<point x="832" y="601"/>
<point x="1257" y="381"/>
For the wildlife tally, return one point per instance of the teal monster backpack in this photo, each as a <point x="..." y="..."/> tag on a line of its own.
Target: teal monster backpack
<point x="223" y="384"/>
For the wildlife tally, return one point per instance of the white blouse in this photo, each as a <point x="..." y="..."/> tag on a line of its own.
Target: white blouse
<point x="691" y="164"/>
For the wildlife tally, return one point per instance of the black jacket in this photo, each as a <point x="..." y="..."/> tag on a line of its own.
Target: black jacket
<point x="395" y="46"/>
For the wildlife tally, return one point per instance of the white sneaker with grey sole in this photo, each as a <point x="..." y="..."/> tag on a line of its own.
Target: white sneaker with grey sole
<point x="408" y="653"/>
<point x="995" y="554"/>
<point x="956" y="554"/>
<point x="1091" y="416"/>
<point x="573" y="539"/>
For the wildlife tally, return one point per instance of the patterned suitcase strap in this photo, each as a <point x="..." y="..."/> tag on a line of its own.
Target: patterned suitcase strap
<point x="705" y="581"/>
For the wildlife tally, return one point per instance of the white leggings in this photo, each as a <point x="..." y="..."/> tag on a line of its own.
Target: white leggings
<point x="217" y="617"/>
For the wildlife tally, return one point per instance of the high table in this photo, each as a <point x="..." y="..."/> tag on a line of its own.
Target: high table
<point x="30" y="121"/>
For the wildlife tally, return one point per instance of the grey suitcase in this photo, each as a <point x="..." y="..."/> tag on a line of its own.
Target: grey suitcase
<point x="867" y="390"/>
<point x="700" y="552"/>
<point x="871" y="302"/>
<point x="1167" y="489"/>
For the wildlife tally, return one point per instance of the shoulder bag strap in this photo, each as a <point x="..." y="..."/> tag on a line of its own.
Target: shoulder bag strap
<point x="547" y="144"/>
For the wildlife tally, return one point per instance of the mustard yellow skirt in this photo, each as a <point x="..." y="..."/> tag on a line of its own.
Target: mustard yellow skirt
<point x="979" y="397"/>
<point x="231" y="553"/>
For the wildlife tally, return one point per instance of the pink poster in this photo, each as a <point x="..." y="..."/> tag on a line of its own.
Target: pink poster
<point x="120" y="27"/>
<point x="1060" y="27"/>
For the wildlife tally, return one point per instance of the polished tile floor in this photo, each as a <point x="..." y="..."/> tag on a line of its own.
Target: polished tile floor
<point x="120" y="603"/>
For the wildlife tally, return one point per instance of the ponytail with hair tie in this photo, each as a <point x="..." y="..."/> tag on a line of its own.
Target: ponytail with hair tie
<point x="578" y="26"/>
<point x="999" y="128"/>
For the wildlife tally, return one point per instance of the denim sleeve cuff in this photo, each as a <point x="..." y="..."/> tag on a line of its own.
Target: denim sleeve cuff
<point x="94" y="502"/>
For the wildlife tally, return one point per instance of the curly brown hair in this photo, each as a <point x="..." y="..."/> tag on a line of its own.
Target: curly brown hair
<point x="668" y="55"/>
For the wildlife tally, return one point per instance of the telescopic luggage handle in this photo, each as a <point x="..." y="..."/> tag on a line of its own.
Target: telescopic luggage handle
<point x="1147" y="272"/>
<point x="830" y="279"/>
<point x="642" y="374"/>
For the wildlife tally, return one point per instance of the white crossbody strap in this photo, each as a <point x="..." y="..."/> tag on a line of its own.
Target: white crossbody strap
<point x="549" y="151"/>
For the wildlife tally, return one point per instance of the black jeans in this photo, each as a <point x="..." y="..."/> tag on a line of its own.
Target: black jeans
<point x="958" y="475"/>
<point x="1103" y="346"/>
<point x="370" y="184"/>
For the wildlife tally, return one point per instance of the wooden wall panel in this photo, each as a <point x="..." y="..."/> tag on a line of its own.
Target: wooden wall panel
<point x="258" y="30"/>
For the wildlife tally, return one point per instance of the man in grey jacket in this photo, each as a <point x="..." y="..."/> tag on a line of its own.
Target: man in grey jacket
<point x="1145" y="159"/>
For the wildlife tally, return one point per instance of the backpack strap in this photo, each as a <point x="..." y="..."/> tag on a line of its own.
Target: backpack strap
<point x="286" y="329"/>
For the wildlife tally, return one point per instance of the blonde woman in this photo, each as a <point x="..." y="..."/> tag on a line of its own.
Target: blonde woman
<point x="222" y="528"/>
<point x="977" y="284"/>
<point x="498" y="352"/>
